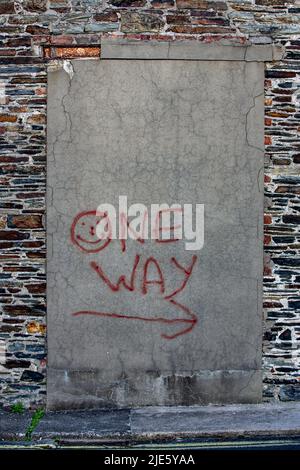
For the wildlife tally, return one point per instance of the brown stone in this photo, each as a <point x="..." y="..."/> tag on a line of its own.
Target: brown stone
<point x="10" y="328"/>
<point x="33" y="244"/>
<point x="13" y="235"/>
<point x="272" y="304"/>
<point x="189" y="29"/>
<point x="268" y="122"/>
<point x="106" y="16"/>
<point x="279" y="91"/>
<point x="35" y="5"/>
<point x="277" y="114"/>
<point x="282" y="99"/>
<point x="25" y="221"/>
<point x="75" y="52"/>
<point x="281" y="161"/>
<point x="36" y="119"/>
<point x="41" y="91"/>
<point x="41" y="39"/>
<point x="133" y="22"/>
<point x="62" y="40"/>
<point x="178" y="19"/>
<point x="288" y="189"/>
<point x="35" y="327"/>
<point x="63" y="9"/>
<point x="128" y="3"/>
<point x="8" y="118"/>
<point x="203" y="14"/>
<point x="30" y="195"/>
<point x="296" y="158"/>
<point x="14" y="290"/>
<point x="18" y="109"/>
<point x="163" y="3"/>
<point x="211" y="21"/>
<point x="271" y="2"/>
<point x="7" y="52"/>
<point x="20" y="269"/>
<point x="7" y="7"/>
<point x="19" y="42"/>
<point x="267" y="219"/>
<point x="267" y="271"/>
<point x="271" y="73"/>
<point x="5" y="245"/>
<point x="201" y="5"/>
<point x="36" y="30"/>
<point x="36" y="255"/>
<point x="268" y="140"/>
<point x="47" y="52"/>
<point x="2" y="221"/>
<point x="36" y="288"/>
<point x="28" y="79"/>
<point x="17" y="309"/>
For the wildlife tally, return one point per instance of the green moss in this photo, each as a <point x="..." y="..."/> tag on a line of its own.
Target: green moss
<point x="18" y="407"/>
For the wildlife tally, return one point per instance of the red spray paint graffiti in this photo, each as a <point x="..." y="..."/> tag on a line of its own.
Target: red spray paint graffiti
<point x="83" y="232"/>
<point x="84" y="237"/>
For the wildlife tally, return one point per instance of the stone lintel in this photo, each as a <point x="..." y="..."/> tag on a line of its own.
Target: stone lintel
<point x="188" y="50"/>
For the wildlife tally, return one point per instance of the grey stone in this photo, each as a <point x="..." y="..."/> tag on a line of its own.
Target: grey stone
<point x="13" y="424"/>
<point x="156" y="131"/>
<point x="72" y="29"/>
<point x="136" y="22"/>
<point x="83" y="423"/>
<point x="289" y="392"/>
<point x="185" y="50"/>
<point x="76" y="17"/>
<point x="261" y="40"/>
<point x="278" y="52"/>
<point x="188" y="388"/>
<point x="68" y="29"/>
<point x="100" y="27"/>
<point x="155" y="423"/>
<point x="212" y="420"/>
<point x="259" y="52"/>
<point x="124" y="49"/>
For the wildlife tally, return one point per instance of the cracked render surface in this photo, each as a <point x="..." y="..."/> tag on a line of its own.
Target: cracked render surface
<point x="156" y="131"/>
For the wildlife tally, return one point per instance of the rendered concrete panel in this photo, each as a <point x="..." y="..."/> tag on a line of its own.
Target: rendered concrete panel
<point x="156" y="131"/>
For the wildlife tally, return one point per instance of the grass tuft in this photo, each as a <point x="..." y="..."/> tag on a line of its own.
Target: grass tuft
<point x="36" y="417"/>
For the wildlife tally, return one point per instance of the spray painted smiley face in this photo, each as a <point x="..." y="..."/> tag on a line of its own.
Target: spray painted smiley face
<point x="84" y="232"/>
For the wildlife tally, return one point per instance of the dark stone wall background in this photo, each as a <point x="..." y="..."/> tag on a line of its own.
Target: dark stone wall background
<point x="35" y="34"/>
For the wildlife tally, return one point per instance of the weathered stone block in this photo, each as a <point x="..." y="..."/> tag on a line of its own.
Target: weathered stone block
<point x="36" y="30"/>
<point x="8" y="118"/>
<point x="25" y="221"/>
<point x="7" y="7"/>
<point x="100" y="27"/>
<point x="163" y="3"/>
<point x="128" y="3"/>
<point x="35" y="5"/>
<point x="73" y="52"/>
<point x="140" y="22"/>
<point x="201" y="5"/>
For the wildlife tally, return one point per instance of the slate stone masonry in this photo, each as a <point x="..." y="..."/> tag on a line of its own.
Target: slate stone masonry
<point x="36" y="34"/>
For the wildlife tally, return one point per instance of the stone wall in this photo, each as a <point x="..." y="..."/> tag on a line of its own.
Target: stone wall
<point x="36" y="34"/>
